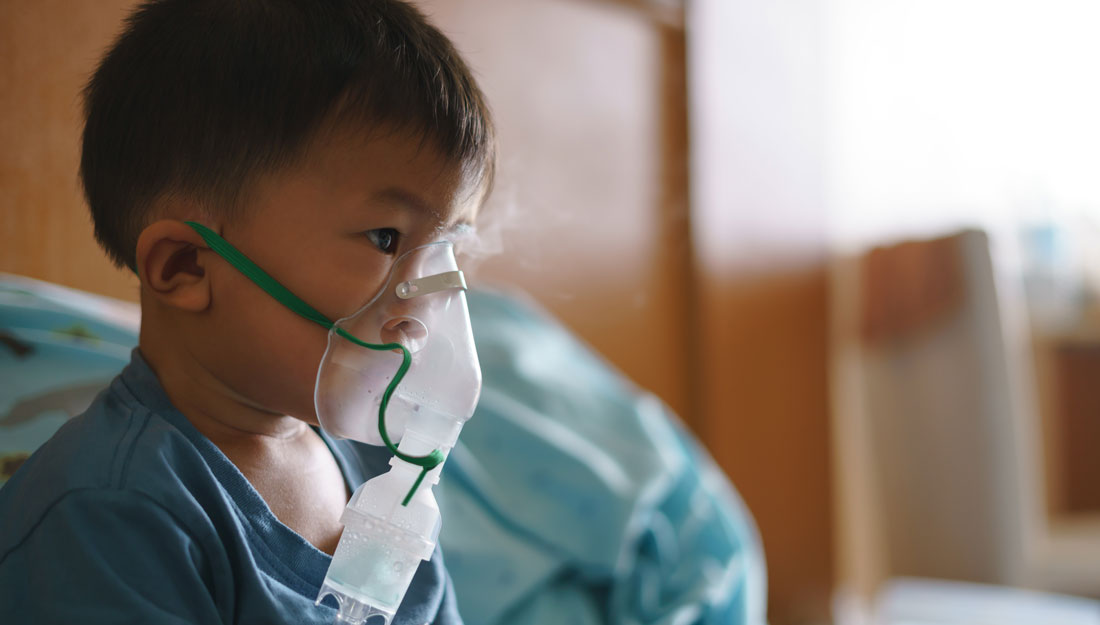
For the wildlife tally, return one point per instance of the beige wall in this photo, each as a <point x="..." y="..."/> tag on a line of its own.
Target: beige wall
<point x="760" y="234"/>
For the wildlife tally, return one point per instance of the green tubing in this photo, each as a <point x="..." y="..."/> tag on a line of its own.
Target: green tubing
<point x="262" y="279"/>
<point x="284" y="296"/>
<point x="426" y="463"/>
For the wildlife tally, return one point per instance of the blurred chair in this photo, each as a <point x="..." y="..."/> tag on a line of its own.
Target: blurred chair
<point x="935" y="398"/>
<point x="935" y="430"/>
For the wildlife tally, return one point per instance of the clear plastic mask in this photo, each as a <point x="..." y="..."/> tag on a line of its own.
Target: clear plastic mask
<point x="422" y="306"/>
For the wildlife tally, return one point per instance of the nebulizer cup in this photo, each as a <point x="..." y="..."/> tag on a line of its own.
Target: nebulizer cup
<point x="400" y="372"/>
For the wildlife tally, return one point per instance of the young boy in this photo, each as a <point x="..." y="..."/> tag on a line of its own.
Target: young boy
<point x="322" y="139"/>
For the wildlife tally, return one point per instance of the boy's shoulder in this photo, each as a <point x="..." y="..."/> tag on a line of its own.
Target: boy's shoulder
<point x="112" y="499"/>
<point x="118" y="448"/>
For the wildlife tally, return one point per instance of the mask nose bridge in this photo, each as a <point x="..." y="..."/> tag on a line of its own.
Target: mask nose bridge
<point x="409" y="320"/>
<point x="415" y="278"/>
<point x="395" y="306"/>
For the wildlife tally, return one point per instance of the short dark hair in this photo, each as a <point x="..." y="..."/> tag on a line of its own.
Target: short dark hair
<point x="199" y="97"/>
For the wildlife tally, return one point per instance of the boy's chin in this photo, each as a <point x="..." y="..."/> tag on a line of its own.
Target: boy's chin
<point x="302" y="411"/>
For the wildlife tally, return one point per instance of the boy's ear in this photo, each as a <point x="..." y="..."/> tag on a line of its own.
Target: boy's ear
<point x="171" y="267"/>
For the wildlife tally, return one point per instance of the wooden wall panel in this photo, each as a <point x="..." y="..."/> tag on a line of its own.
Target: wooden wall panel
<point x="48" y="48"/>
<point x="765" y="419"/>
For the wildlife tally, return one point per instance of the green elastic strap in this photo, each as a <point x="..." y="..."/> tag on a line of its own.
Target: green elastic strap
<point x="264" y="280"/>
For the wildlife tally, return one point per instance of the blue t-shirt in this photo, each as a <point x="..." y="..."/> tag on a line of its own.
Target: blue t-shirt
<point x="129" y="514"/>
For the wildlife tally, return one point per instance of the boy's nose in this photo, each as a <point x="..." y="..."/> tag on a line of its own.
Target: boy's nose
<point x="407" y="331"/>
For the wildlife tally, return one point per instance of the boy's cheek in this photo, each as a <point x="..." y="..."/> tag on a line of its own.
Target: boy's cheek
<point x="263" y="350"/>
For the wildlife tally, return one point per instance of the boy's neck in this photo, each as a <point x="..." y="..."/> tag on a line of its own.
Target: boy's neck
<point x="217" y="411"/>
<point x="283" y="459"/>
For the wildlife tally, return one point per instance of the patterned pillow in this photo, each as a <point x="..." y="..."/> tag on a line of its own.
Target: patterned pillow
<point x="58" y="348"/>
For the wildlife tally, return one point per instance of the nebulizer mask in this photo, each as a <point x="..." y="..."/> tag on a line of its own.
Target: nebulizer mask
<point x="401" y="372"/>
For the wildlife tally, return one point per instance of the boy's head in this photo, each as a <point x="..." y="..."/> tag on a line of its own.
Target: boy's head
<point x="200" y="97"/>
<point x="320" y="138"/>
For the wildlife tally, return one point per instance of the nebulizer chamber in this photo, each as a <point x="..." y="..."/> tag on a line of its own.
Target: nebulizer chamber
<point x="392" y="521"/>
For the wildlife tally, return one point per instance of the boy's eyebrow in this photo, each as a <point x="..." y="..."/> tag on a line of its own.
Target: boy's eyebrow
<point x="410" y="200"/>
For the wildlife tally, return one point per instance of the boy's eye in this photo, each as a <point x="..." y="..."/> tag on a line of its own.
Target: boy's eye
<point x="385" y="239"/>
